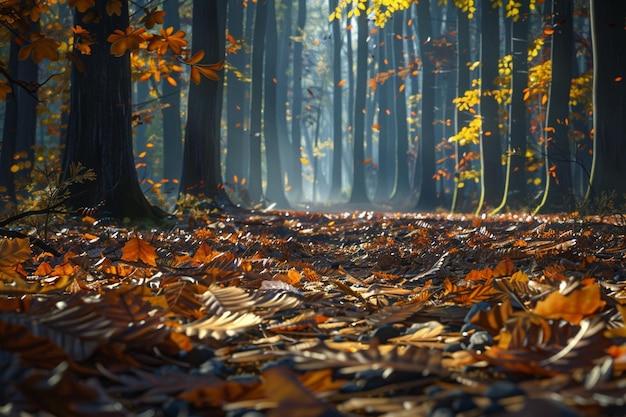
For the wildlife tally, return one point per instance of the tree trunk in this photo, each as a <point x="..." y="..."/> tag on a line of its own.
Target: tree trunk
<point x="295" y="167"/>
<point x="255" y="180"/>
<point x="401" y="190"/>
<point x="359" y="192"/>
<point x="201" y="175"/>
<point x="237" y="95"/>
<point x="336" y="178"/>
<point x="275" y="188"/>
<point x="424" y="183"/>
<point x="490" y="140"/>
<point x="518" y="126"/>
<point x="99" y="127"/>
<point x="385" y="173"/>
<point x="609" y="43"/>
<point x="560" y="155"/>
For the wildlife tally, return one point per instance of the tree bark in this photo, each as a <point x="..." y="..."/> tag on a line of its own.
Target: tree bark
<point x="201" y="175"/>
<point x="423" y="182"/>
<point x="560" y="155"/>
<point x="490" y="138"/>
<point x="99" y="127"/>
<point x="336" y="178"/>
<point x="358" y="193"/>
<point x="275" y="191"/>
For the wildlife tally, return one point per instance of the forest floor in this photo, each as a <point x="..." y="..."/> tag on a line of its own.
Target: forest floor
<point x="317" y="314"/>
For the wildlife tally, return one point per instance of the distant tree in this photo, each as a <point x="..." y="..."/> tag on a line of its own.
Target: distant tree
<point x="201" y="174"/>
<point x="609" y="43"/>
<point x="99" y="128"/>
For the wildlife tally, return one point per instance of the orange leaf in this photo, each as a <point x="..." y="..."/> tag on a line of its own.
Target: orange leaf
<point x="195" y="58"/>
<point x="340" y="83"/>
<point x="137" y="249"/>
<point x="114" y="7"/>
<point x="129" y="40"/>
<point x="205" y="254"/>
<point x="504" y="269"/>
<point x="152" y="17"/>
<point x="572" y="307"/>
<point x="43" y="269"/>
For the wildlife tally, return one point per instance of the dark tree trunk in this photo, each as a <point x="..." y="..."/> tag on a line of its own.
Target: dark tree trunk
<point x="359" y="191"/>
<point x="490" y="138"/>
<point x="99" y="127"/>
<point x="560" y="155"/>
<point x="20" y="124"/>
<point x="237" y="96"/>
<point x="424" y="183"/>
<point x="401" y="188"/>
<point x="518" y="126"/>
<point x="336" y="179"/>
<point x="171" y="113"/>
<point x="255" y="180"/>
<point x="201" y="154"/>
<point x="385" y="173"/>
<point x="609" y="43"/>
<point x="295" y="168"/>
<point x="275" y="188"/>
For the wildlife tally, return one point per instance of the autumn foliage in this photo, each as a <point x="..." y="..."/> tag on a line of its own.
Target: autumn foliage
<point x="323" y="314"/>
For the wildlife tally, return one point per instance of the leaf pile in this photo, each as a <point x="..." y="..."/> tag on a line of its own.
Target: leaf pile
<point x="292" y="313"/>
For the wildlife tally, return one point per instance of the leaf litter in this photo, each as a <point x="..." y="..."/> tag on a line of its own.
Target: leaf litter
<point x="312" y="314"/>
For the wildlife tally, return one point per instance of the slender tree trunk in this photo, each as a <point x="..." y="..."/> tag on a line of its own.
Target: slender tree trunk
<point x="295" y="172"/>
<point x="401" y="188"/>
<point x="490" y="138"/>
<point x="461" y="118"/>
<point x="385" y="173"/>
<point x="275" y="187"/>
<point x="560" y="155"/>
<point x="99" y="127"/>
<point x="424" y="181"/>
<point x="202" y="175"/>
<point x="359" y="191"/>
<point x="336" y="178"/>
<point x="237" y="95"/>
<point x="518" y="126"/>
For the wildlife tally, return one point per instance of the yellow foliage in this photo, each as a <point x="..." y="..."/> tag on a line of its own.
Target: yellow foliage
<point x="470" y="133"/>
<point x="382" y="9"/>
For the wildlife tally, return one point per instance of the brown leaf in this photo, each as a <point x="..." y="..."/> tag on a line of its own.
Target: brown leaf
<point x="573" y="307"/>
<point x="137" y="249"/>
